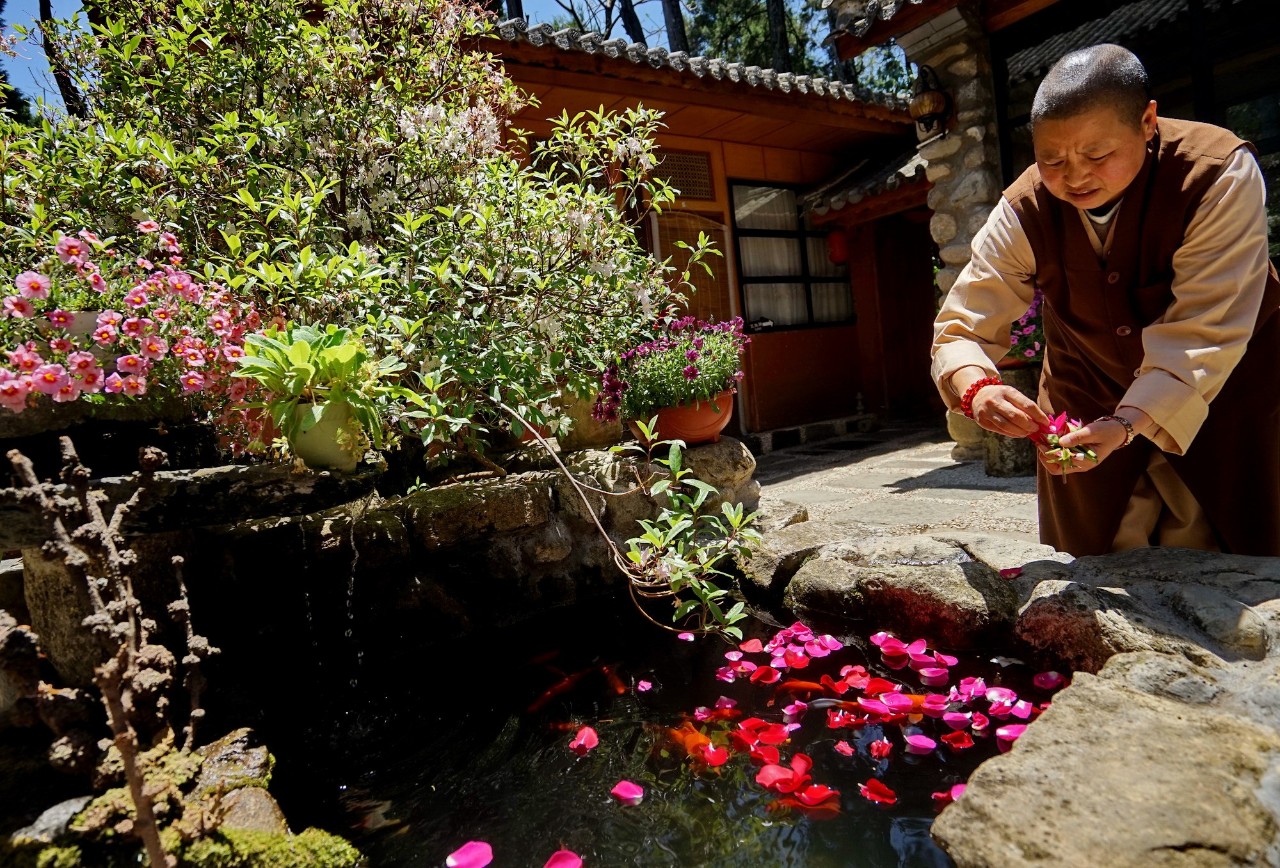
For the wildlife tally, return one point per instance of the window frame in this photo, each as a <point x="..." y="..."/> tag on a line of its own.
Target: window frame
<point x="807" y="279"/>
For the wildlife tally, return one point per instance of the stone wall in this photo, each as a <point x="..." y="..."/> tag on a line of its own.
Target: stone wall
<point x="343" y="586"/>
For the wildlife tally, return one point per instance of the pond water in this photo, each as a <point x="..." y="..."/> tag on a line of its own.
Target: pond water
<point x="470" y="741"/>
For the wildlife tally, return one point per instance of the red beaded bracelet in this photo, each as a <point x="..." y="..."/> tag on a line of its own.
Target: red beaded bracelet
<point x="966" y="402"/>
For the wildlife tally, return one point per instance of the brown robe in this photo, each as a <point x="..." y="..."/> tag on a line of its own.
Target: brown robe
<point x="1094" y="314"/>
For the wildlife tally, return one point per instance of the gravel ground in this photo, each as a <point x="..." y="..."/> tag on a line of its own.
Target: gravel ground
<point x="902" y="479"/>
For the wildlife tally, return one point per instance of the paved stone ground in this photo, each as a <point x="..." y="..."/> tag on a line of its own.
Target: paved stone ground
<point x="901" y="478"/>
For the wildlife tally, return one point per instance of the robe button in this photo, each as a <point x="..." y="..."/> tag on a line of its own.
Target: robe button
<point x="1124" y="331"/>
<point x="1113" y="277"/>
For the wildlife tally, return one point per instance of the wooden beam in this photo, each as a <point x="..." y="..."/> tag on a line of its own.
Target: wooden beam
<point x="903" y="198"/>
<point x="650" y="84"/>
<point x="907" y="19"/>
<point x="1001" y="13"/>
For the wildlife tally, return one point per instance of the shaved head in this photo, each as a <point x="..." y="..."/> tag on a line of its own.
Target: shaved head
<point x="1091" y="78"/>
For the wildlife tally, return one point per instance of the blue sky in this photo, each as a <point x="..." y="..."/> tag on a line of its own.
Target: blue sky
<point x="29" y="73"/>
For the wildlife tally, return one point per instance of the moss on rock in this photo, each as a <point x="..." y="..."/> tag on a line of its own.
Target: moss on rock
<point x="235" y="848"/>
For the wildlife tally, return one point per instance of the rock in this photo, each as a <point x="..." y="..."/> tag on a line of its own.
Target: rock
<point x="954" y="605"/>
<point x="11" y="595"/>
<point x="253" y="809"/>
<point x="942" y="148"/>
<point x="778" y="557"/>
<point x="911" y="550"/>
<point x="1002" y="553"/>
<point x="942" y="226"/>
<point x="775" y="513"/>
<point x="1204" y="606"/>
<point x="725" y="464"/>
<point x="935" y="172"/>
<point x="19" y="671"/>
<point x="51" y="825"/>
<point x="236" y="760"/>
<point x="1112" y="775"/>
<point x="1234" y="626"/>
<point x="955" y="254"/>
<point x="450" y="514"/>
<point x="968" y="436"/>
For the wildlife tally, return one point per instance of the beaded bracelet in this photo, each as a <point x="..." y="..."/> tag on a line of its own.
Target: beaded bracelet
<point x="1128" y="428"/>
<point x="966" y="402"/>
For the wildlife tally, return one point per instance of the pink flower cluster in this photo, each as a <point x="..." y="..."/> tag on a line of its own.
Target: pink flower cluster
<point x="171" y="330"/>
<point x="1026" y="337"/>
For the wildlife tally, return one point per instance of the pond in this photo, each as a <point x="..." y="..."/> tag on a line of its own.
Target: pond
<point x="471" y="741"/>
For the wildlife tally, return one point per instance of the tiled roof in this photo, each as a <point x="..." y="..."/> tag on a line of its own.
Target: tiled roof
<point x="1115" y="27"/>
<point x="870" y="177"/>
<point x="857" y="17"/>
<point x="591" y="42"/>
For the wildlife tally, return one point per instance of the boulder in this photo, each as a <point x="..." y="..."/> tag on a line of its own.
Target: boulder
<point x="777" y="558"/>
<point x="1152" y="763"/>
<point x="52" y="825"/>
<point x="954" y="605"/>
<point x="236" y="760"/>
<point x="252" y="809"/>
<point x="774" y="513"/>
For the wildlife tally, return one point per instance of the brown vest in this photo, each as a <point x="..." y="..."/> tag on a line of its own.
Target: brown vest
<point x="1094" y="314"/>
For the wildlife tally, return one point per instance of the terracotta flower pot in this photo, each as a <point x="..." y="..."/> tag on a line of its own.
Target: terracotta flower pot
<point x="696" y="422"/>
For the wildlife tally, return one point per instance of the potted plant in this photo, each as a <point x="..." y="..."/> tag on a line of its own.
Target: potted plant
<point x="322" y="391"/>
<point x="686" y="376"/>
<point x="1026" y="337"/>
<point x="85" y="324"/>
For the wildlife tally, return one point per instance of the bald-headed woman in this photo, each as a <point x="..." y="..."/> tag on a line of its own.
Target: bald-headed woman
<point x="1148" y="238"/>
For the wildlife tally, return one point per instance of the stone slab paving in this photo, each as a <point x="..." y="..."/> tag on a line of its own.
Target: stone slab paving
<point x="901" y="479"/>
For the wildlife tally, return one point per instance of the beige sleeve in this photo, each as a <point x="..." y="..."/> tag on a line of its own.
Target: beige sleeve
<point x="1219" y="274"/>
<point x="992" y="291"/>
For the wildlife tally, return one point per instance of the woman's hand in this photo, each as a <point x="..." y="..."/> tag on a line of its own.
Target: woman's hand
<point x="1005" y="410"/>
<point x="1103" y="436"/>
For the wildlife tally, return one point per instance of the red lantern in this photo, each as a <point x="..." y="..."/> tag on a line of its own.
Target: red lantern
<point x="837" y="247"/>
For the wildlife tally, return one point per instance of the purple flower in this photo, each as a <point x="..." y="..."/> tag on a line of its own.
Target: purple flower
<point x="692" y="355"/>
<point x="691" y="372"/>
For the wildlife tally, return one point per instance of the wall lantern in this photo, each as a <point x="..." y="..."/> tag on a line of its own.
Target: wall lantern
<point x="837" y="247"/>
<point x="930" y="104"/>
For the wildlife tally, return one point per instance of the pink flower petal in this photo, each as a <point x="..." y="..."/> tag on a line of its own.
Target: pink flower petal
<point x="564" y="859"/>
<point x="685" y="637"/>
<point x="1011" y="573"/>
<point x="1049" y="680"/>
<point x="643" y="686"/>
<point x="898" y="703"/>
<point x="714" y="756"/>
<point x="1007" y="735"/>
<point x="473" y="854"/>
<point x="935" y="676"/>
<point x="627" y="793"/>
<point x="876" y="791"/>
<point x="584" y="741"/>
<point x="751" y="646"/>
<point x="934" y="705"/>
<point x="880" y="748"/>
<point x="920" y="744"/>
<point x="918" y="647"/>
<point x="945" y="659"/>
<point x="956" y="720"/>
<point x="735" y="656"/>
<point x="844" y="747"/>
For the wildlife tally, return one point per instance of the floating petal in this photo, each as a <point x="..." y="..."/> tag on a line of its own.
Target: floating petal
<point x="585" y="740"/>
<point x="627" y="793"/>
<point x="1007" y="735"/>
<point x="920" y="744"/>
<point x="564" y="859"/>
<point x="1049" y="680"/>
<point x="643" y="686"/>
<point x="934" y="676"/>
<point x="845" y="748"/>
<point x="880" y="748"/>
<point x="957" y="720"/>
<point x="1011" y="573"/>
<point x="715" y="756"/>
<point x="876" y="791"/>
<point x="958" y="740"/>
<point x="473" y="854"/>
<point x="751" y="646"/>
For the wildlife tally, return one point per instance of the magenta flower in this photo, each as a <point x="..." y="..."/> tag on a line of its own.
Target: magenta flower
<point x="48" y="379"/>
<point x="18" y="307"/>
<point x="584" y="741"/>
<point x="91" y="380"/>
<point x="69" y="392"/>
<point x="113" y="384"/>
<point x="153" y="347"/>
<point x="14" y="392"/>
<point x="192" y="381"/>
<point x="148" y="226"/>
<point x="71" y="250"/>
<point x="473" y="854"/>
<point x="81" y="362"/>
<point x="60" y="345"/>
<point x="60" y="318"/>
<point x="104" y="335"/>
<point x="136" y="298"/>
<point x="692" y="355"/>
<point x="32" y="284"/>
<point x="97" y="282"/>
<point x="169" y="242"/>
<point x="134" y="385"/>
<point x="131" y="364"/>
<point x="627" y="793"/>
<point x="690" y="372"/>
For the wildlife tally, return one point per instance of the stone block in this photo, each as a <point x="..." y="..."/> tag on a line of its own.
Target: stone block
<point x="238" y="759"/>
<point x="946" y="278"/>
<point x="965" y="67"/>
<point x="942" y="226"/>
<point x="777" y="558"/>
<point x="955" y="254"/>
<point x="1007" y="456"/>
<point x="252" y="809"/>
<point x="935" y="172"/>
<point x="968" y="436"/>
<point x="940" y="149"/>
<point x="11" y="594"/>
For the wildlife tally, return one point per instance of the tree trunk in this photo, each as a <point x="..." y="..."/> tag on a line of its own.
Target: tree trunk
<point x="673" y="16"/>
<point x="777" y="11"/>
<point x="631" y="22"/>
<point x="71" y="98"/>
